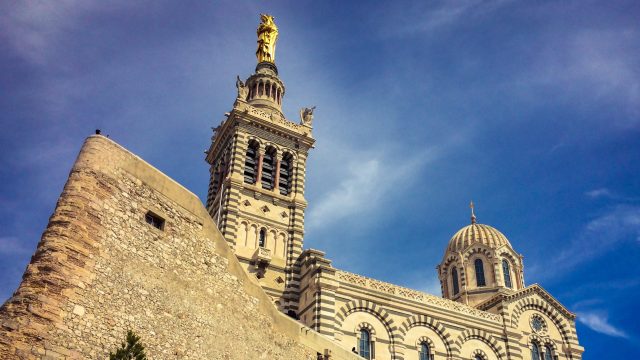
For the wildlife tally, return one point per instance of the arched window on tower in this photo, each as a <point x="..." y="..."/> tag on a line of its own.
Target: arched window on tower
<point x="479" y="273"/>
<point x="262" y="239"/>
<point x="535" y="352"/>
<point x="268" y="168"/>
<point x="507" y="273"/>
<point x="285" y="174"/>
<point x="454" y="280"/>
<point x="424" y="351"/>
<point x="250" y="163"/>
<point x="548" y="355"/>
<point x="365" y="344"/>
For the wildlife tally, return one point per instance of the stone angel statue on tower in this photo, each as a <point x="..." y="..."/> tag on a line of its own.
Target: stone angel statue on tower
<point x="243" y="91"/>
<point x="267" y="37"/>
<point x="306" y="116"/>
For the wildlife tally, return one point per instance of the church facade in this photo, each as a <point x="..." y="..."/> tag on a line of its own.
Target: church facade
<point x="256" y="197"/>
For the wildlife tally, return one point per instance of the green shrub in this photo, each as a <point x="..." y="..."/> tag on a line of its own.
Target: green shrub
<point x="132" y="350"/>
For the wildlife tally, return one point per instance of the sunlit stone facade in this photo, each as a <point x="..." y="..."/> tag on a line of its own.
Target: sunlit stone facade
<point x="256" y="196"/>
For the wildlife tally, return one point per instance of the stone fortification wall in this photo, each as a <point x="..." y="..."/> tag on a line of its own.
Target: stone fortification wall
<point x="101" y="270"/>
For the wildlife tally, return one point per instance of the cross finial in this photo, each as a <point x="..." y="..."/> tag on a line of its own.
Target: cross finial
<point x="473" y="216"/>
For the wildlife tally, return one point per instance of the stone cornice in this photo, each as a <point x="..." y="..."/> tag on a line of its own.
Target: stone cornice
<point x="529" y="290"/>
<point x="272" y="196"/>
<point x="273" y="121"/>
<point x="418" y="296"/>
<point x="219" y="138"/>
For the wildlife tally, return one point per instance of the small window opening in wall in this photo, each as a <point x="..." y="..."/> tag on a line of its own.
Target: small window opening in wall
<point x="262" y="238"/>
<point x="154" y="220"/>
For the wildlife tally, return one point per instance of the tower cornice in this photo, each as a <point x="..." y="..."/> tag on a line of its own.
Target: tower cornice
<point x="273" y="121"/>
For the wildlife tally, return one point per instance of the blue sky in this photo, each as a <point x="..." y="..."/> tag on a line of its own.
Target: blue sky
<point x="531" y="109"/>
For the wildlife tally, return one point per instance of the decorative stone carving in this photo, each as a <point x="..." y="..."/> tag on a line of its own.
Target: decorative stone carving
<point x="413" y="295"/>
<point x="243" y="91"/>
<point x="306" y="116"/>
<point x="537" y="323"/>
<point x="261" y="114"/>
<point x="261" y="259"/>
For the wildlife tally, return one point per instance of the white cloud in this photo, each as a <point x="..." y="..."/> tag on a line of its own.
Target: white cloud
<point x="33" y="28"/>
<point x="599" y="235"/>
<point x="595" y="64"/>
<point x="366" y="187"/>
<point x="599" y="193"/>
<point x="427" y="17"/>
<point x="619" y="225"/>
<point x="599" y="322"/>
<point x="604" y="193"/>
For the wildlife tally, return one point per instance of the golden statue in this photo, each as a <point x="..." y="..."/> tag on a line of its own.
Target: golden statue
<point x="267" y="37"/>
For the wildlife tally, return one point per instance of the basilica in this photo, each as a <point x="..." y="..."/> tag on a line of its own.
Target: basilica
<point x="129" y="250"/>
<point x="256" y="196"/>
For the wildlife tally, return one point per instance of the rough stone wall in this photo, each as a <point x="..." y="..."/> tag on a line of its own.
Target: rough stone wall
<point x="101" y="270"/>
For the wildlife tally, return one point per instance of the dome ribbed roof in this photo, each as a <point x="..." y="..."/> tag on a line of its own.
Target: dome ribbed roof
<point x="477" y="233"/>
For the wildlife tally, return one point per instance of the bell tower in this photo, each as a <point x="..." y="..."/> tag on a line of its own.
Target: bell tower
<point x="257" y="164"/>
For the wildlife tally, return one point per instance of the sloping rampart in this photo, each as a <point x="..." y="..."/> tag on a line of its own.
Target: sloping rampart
<point x="100" y="270"/>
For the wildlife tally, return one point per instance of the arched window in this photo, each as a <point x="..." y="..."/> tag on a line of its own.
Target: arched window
<point x="268" y="168"/>
<point x="424" y="351"/>
<point x="478" y="357"/>
<point x="547" y="353"/>
<point x="507" y="273"/>
<point x="535" y="352"/>
<point x="479" y="273"/>
<point x="250" y="163"/>
<point x="285" y="174"/>
<point x="262" y="238"/>
<point x="365" y="344"/>
<point x="454" y="280"/>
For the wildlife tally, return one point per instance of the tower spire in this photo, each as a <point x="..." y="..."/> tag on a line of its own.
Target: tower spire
<point x="473" y="215"/>
<point x="264" y="89"/>
<point x="257" y="164"/>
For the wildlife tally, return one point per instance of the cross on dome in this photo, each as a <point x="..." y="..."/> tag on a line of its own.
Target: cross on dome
<point x="473" y="215"/>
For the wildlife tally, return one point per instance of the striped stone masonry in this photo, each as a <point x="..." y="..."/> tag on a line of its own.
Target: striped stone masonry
<point x="384" y="287"/>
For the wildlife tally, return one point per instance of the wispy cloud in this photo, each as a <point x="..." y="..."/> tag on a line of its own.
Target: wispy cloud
<point x="599" y="64"/>
<point x="34" y="28"/>
<point x="430" y="16"/>
<point x="622" y="223"/>
<point x="605" y="193"/>
<point x="10" y="245"/>
<point x="617" y="226"/>
<point x="599" y="193"/>
<point x="599" y="322"/>
<point x="366" y="187"/>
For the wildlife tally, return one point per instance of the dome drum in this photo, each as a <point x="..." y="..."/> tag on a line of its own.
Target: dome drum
<point x="479" y="262"/>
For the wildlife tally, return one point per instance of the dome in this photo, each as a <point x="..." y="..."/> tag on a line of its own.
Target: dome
<point x="477" y="233"/>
